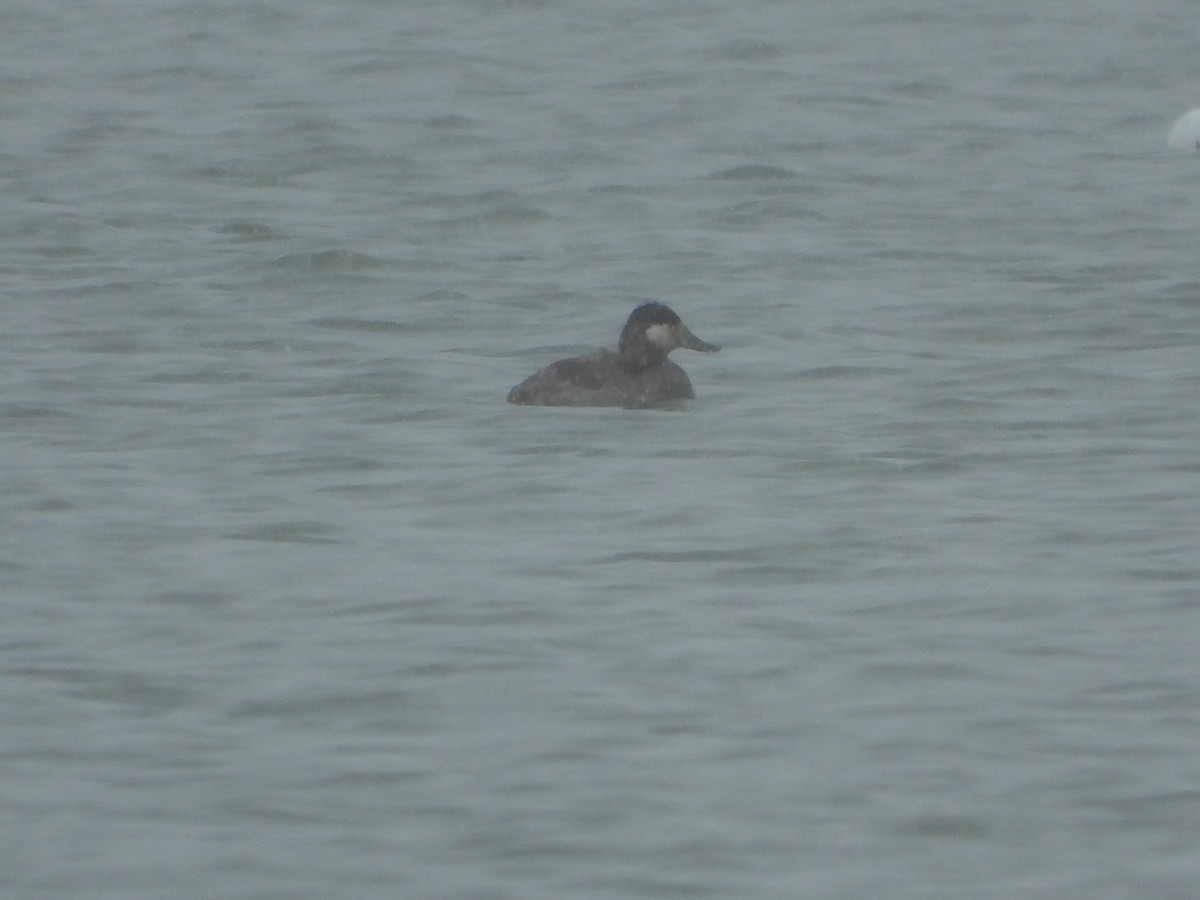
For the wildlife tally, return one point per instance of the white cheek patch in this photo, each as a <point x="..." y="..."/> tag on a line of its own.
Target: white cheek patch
<point x="661" y="336"/>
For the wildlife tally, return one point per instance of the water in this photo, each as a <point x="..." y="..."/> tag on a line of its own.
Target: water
<point x="904" y="605"/>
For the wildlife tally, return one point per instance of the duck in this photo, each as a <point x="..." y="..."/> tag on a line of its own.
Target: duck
<point x="638" y="376"/>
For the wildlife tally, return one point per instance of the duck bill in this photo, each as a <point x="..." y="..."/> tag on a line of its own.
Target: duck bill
<point x="691" y="342"/>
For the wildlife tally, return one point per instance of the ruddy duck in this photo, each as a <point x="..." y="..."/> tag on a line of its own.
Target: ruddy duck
<point x="637" y="376"/>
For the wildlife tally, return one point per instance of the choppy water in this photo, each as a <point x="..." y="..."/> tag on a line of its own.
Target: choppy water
<point x="905" y="604"/>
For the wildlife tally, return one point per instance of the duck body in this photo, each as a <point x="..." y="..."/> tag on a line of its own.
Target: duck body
<point x="599" y="379"/>
<point x="638" y="376"/>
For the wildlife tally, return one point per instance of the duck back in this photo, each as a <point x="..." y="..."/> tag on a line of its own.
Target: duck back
<point x="600" y="379"/>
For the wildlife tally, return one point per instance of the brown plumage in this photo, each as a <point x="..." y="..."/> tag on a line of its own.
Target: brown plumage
<point x="637" y="376"/>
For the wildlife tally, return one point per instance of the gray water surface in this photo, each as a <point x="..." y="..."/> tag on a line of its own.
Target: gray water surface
<point x="904" y="605"/>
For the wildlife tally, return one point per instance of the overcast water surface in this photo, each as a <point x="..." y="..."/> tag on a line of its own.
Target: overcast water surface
<point x="905" y="604"/>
